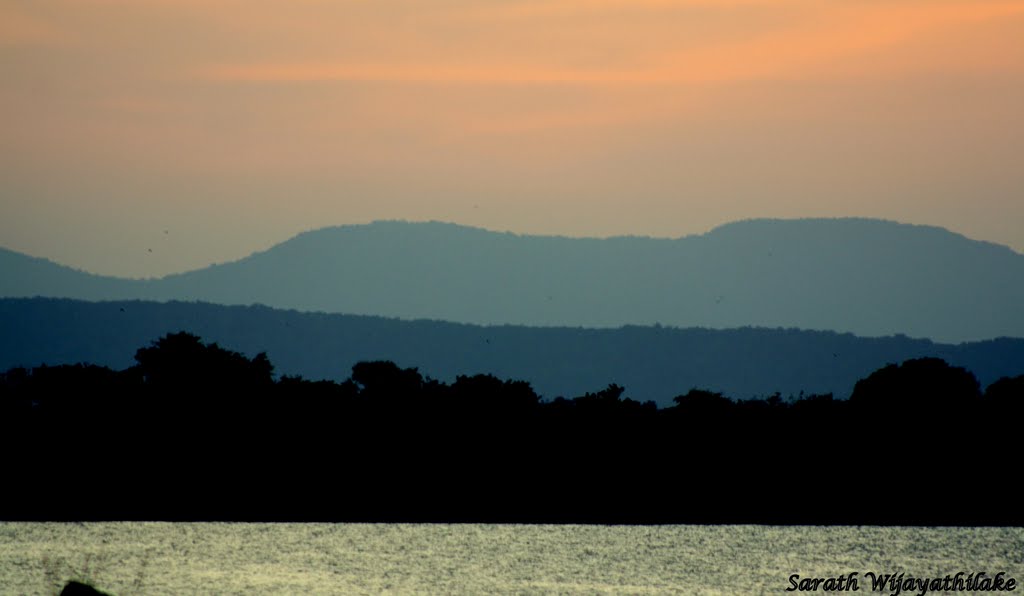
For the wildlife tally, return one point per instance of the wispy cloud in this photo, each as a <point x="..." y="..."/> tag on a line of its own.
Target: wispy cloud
<point x="503" y="74"/>
<point x="807" y="47"/>
<point x="847" y="32"/>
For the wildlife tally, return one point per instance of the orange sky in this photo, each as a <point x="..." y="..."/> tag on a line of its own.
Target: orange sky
<point x="234" y="124"/>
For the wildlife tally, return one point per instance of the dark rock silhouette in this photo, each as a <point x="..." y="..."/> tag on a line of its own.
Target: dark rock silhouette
<point x="74" y="588"/>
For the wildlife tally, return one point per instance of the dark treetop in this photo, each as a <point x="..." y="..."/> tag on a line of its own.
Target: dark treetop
<point x="194" y="431"/>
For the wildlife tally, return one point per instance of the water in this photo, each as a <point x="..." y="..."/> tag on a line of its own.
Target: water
<point x="218" y="558"/>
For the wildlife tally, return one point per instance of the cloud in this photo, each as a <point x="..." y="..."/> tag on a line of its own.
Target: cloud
<point x="842" y="35"/>
<point x="509" y="82"/>
<point x="805" y="47"/>
<point x="494" y="74"/>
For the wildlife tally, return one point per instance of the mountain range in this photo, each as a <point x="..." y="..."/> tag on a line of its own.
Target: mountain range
<point x="867" y="277"/>
<point x="653" y="363"/>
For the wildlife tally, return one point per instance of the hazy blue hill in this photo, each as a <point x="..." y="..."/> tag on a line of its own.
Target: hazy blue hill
<point x="869" y="277"/>
<point x="876" y="277"/>
<point x="651" y="362"/>
<point x="434" y="271"/>
<point x="25" y="276"/>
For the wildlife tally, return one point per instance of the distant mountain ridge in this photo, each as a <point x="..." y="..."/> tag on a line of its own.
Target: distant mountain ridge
<point x="652" y="363"/>
<point x="867" y="277"/>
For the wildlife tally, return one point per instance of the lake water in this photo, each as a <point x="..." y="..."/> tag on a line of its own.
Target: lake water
<point x="219" y="558"/>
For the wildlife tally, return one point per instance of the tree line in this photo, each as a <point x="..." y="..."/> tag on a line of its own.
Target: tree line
<point x="197" y="431"/>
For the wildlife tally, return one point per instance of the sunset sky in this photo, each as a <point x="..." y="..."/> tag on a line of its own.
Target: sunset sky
<point x="142" y="137"/>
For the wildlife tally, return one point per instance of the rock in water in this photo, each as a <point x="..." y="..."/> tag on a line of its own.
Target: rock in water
<point x="74" y="588"/>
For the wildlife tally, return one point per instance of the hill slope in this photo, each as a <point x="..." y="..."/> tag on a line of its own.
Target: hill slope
<point x="867" y="277"/>
<point x="653" y="363"/>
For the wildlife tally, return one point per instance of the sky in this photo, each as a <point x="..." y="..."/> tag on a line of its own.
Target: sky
<point x="144" y="137"/>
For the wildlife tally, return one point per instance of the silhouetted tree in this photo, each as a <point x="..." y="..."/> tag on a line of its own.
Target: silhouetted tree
<point x="818" y="406"/>
<point x="181" y="361"/>
<point x="225" y="441"/>
<point x="602" y="401"/>
<point x="383" y="379"/>
<point x="923" y="385"/>
<point x="1006" y="395"/>
<point x="491" y="396"/>
<point x="701" y="402"/>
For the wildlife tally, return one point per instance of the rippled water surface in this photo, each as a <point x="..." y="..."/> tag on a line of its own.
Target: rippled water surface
<point x="205" y="558"/>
